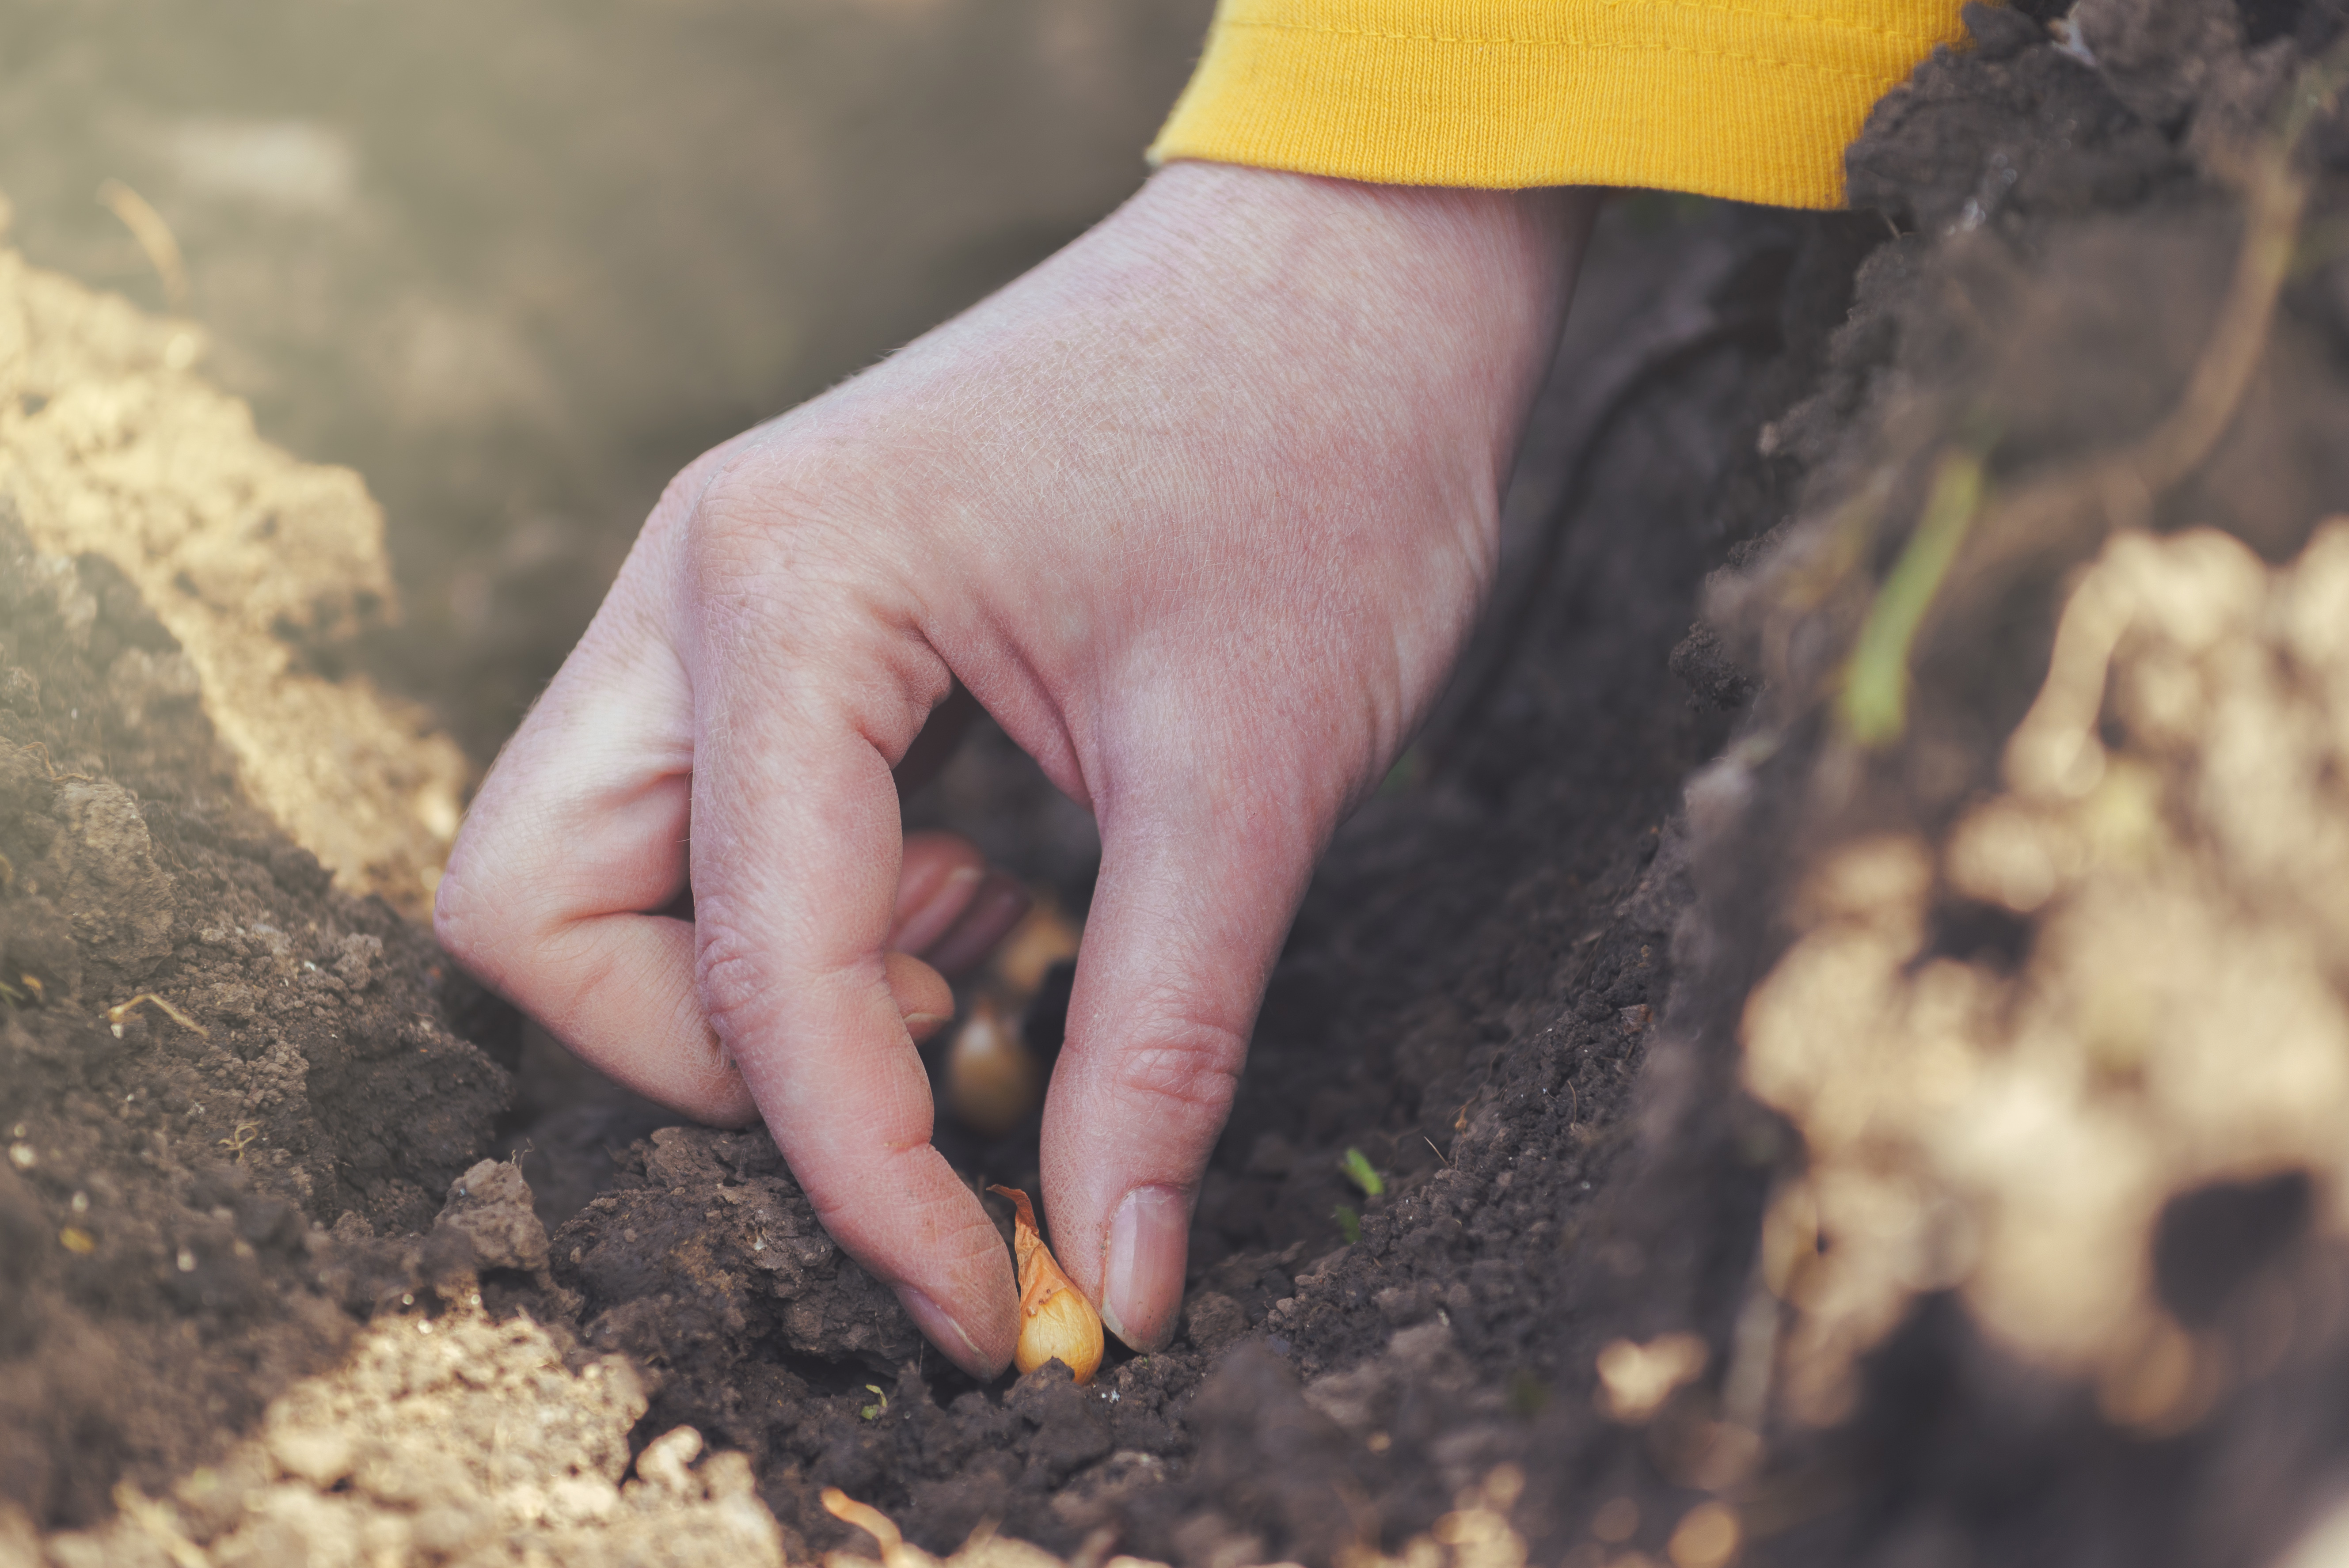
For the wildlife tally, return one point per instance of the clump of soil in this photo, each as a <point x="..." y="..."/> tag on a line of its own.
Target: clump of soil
<point x="461" y="1439"/>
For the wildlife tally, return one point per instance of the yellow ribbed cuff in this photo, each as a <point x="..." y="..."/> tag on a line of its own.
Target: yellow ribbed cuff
<point x="1751" y="99"/>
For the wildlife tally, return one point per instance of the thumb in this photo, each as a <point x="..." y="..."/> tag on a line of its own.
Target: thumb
<point x="1188" y="915"/>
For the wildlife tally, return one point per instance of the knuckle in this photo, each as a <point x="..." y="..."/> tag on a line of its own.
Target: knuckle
<point x="758" y="511"/>
<point x="767" y="560"/>
<point x="731" y="559"/>
<point x="1190" y="1063"/>
<point x="458" y="923"/>
<point x="728" y="974"/>
<point x="729" y="510"/>
<point x="485" y="915"/>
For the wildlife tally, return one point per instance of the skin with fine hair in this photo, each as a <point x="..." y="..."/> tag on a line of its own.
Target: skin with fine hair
<point x="1201" y="511"/>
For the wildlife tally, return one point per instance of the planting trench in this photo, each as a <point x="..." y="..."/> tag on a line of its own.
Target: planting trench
<point x="1843" y="1001"/>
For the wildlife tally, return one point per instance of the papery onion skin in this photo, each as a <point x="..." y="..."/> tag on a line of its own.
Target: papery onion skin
<point x="1056" y="1322"/>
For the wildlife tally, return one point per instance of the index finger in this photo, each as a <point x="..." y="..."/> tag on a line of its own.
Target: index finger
<point x="795" y="855"/>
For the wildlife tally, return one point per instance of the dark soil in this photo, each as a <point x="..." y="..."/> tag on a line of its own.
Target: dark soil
<point x="186" y="1212"/>
<point x="2069" y="236"/>
<point x="1515" y="989"/>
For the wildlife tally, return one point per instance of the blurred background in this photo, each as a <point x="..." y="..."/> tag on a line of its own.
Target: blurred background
<point x="519" y="262"/>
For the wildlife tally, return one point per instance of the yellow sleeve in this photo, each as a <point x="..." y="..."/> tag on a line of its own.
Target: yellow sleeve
<point x="1753" y="99"/>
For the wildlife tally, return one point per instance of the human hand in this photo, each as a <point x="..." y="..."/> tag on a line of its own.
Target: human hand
<point x="1201" y="511"/>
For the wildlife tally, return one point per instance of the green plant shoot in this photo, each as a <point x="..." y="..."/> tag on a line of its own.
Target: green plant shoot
<point x="1874" y="707"/>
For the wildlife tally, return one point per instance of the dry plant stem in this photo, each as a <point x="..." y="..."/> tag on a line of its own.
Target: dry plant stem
<point x="155" y="237"/>
<point x="865" y="1517"/>
<point x="2278" y="199"/>
<point x="2123" y="485"/>
<point x="1056" y="1321"/>
<point x="120" y="1014"/>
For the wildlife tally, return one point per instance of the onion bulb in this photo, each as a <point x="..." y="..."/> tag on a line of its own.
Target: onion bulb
<point x="1042" y="938"/>
<point x="1056" y="1322"/>
<point x="993" y="1080"/>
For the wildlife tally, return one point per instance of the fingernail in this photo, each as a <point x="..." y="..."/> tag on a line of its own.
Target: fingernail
<point x="933" y="909"/>
<point x="922" y="1026"/>
<point x="994" y="910"/>
<point x="945" y="1332"/>
<point x="1142" y="1275"/>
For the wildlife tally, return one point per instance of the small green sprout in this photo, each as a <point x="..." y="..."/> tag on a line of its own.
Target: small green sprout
<point x="1875" y="700"/>
<point x="1349" y="1223"/>
<point x="1358" y="1169"/>
<point x="870" y="1411"/>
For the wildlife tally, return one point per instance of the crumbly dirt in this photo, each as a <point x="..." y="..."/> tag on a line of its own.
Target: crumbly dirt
<point x="529" y="1460"/>
<point x="171" y="1180"/>
<point x="263" y="572"/>
<point x="1856" y="1080"/>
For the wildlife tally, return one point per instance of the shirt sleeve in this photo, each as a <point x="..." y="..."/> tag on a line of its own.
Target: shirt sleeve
<point x="1751" y="99"/>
